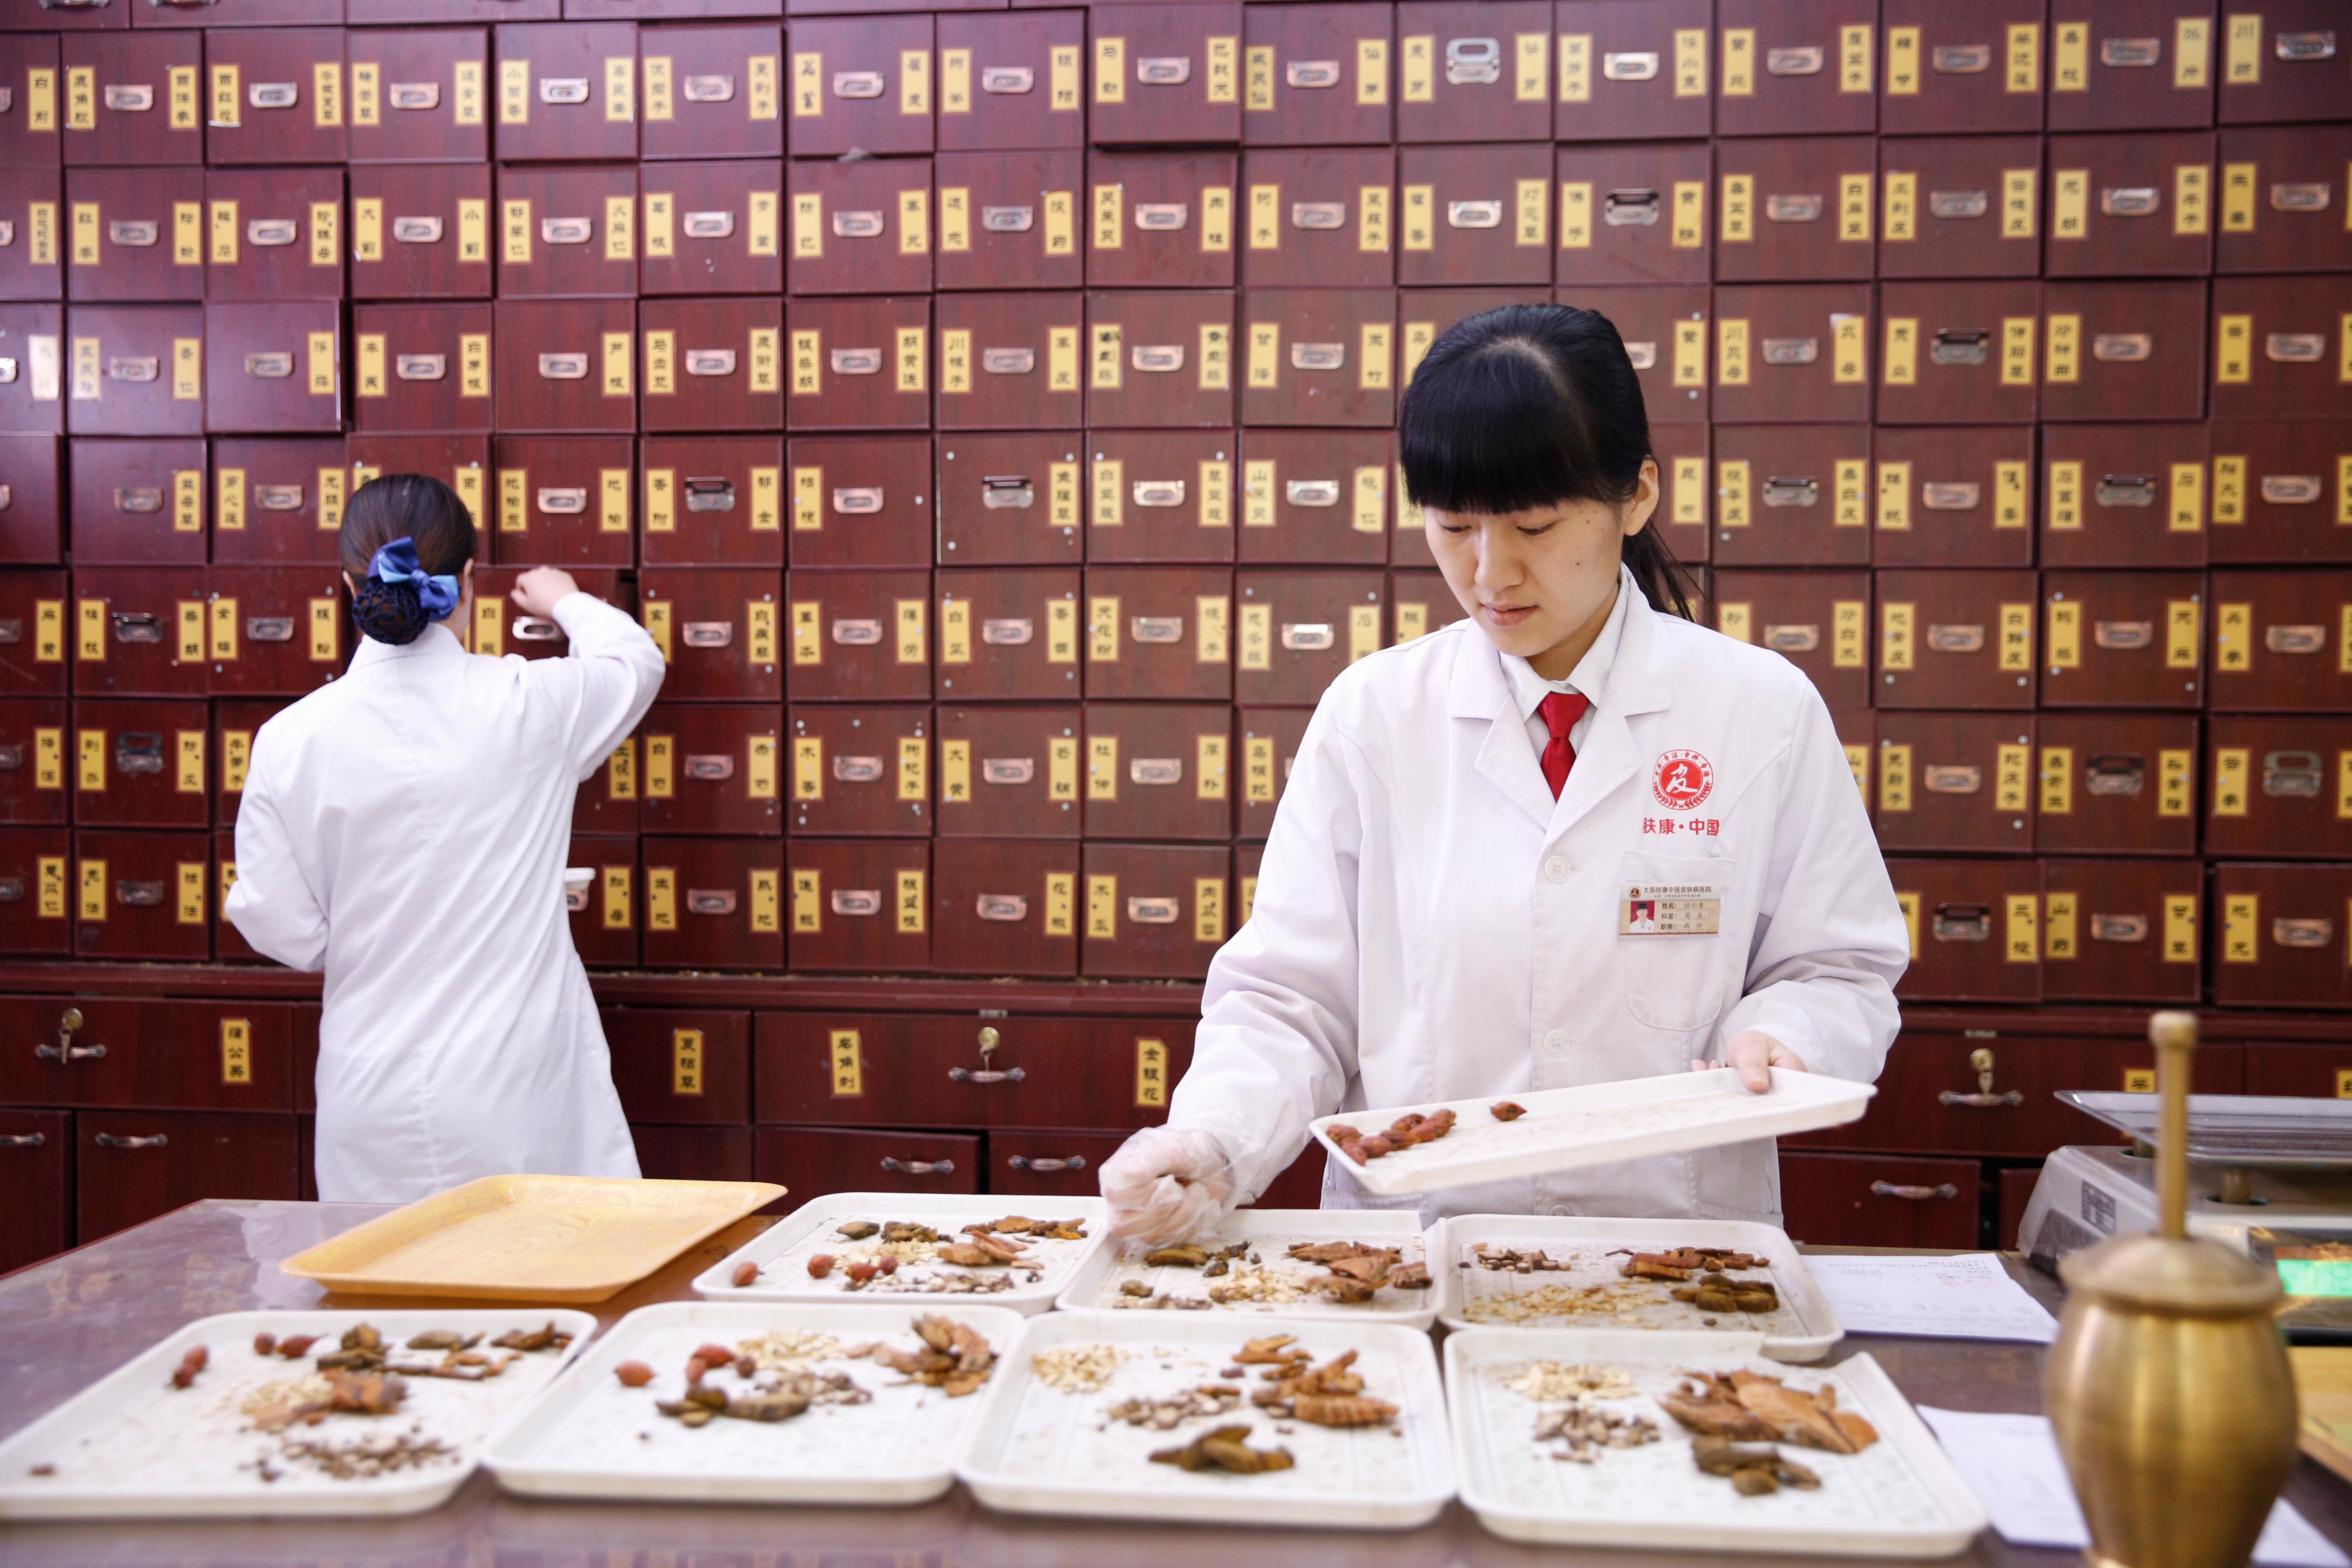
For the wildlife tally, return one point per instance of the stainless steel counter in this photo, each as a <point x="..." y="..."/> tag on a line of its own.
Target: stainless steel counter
<point x="66" y="1321"/>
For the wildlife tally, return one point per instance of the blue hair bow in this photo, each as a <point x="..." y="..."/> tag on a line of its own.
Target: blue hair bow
<point x="397" y="563"/>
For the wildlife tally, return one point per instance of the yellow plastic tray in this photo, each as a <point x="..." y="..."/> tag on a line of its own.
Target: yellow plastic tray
<point x="528" y="1238"/>
<point x="2323" y="1384"/>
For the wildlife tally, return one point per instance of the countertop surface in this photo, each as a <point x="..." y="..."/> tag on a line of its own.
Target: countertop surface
<point x="66" y="1321"/>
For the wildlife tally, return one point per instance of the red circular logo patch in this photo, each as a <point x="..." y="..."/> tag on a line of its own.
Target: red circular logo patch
<point x="1683" y="781"/>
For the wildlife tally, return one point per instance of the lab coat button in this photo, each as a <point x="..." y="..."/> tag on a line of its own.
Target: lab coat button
<point x="1556" y="869"/>
<point x="1555" y="1043"/>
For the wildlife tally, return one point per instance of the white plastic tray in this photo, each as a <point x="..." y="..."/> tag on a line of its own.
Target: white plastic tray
<point x="1803" y="1329"/>
<point x="130" y="1446"/>
<point x="1043" y="1450"/>
<point x="783" y="1249"/>
<point x="1898" y="1497"/>
<point x="1094" y="1289"/>
<point x="1598" y="1124"/>
<point x="592" y="1437"/>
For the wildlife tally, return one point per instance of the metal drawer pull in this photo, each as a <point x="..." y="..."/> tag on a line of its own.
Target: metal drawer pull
<point x="2118" y="928"/>
<point x="566" y="230"/>
<point x="65" y="1050"/>
<point x="1157" y="358"/>
<point x="857" y="770"/>
<point x="714" y="88"/>
<point x="1000" y="492"/>
<point x="2295" y="348"/>
<point x="1157" y="629"/>
<point x="563" y="367"/>
<point x="2288" y="932"/>
<point x="1806" y="61"/>
<point x="272" y="95"/>
<point x="563" y="502"/>
<point x="1007" y="79"/>
<point x="857" y="633"/>
<point x="1007" y="770"/>
<point x="1159" y="492"/>
<point x="1473" y="214"/>
<point x="1309" y="636"/>
<point x="709" y="633"/>
<point x="1144" y="769"/>
<point x="986" y="1074"/>
<point x="2292" y="490"/>
<point x="274" y="364"/>
<point x="414" y="94"/>
<point x="1164" y="70"/>
<point x="109" y="1140"/>
<point x="1954" y="345"/>
<point x="857" y="84"/>
<point x="138" y="499"/>
<point x="2292" y="775"/>
<point x="1642" y="355"/>
<point x="12" y="631"/>
<point x="1792" y="638"/>
<point x="1951" y="495"/>
<point x="706" y="494"/>
<point x="1797" y="208"/>
<point x="128" y="97"/>
<point x="857" y="362"/>
<point x="136" y="627"/>
<point x="1161" y="216"/>
<point x="2125" y="489"/>
<point x="535" y="628"/>
<point x="1912" y="1194"/>
<point x="1629" y="65"/>
<point x="269" y="628"/>
<point x="855" y="902"/>
<point x="710" y="900"/>
<point x="2123" y="348"/>
<point x="858" y="224"/>
<point x="138" y="233"/>
<point x="1317" y="356"/>
<point x="2294" y="639"/>
<point x="564" y="89"/>
<point x="1792" y="490"/>
<point x="7" y="239"/>
<point x="138" y="895"/>
<point x="857" y="501"/>
<point x="2130" y="201"/>
<point x="271" y="232"/>
<point x="1008" y="362"/>
<point x="2300" y="46"/>
<point x="1319" y="215"/>
<point x="1980" y="1101"/>
<point x="1630" y="208"/>
<point x="1312" y="73"/>
<point x="1957" y="204"/>
<point x="1962" y="922"/>
<point x="11" y="888"/>
<point x="1312" y="492"/>
<point x="918" y="1167"/>
<point x="8" y="497"/>
<point x="12" y="760"/>
<point x="1018" y="1162"/>
<point x="709" y="767"/>
<point x="1961" y="59"/>
<point x="1792" y="351"/>
<point x="35" y="1139"/>
<point x="709" y="225"/>
<point x="2300" y="196"/>
<point x="1473" y="62"/>
<point x="1952" y="778"/>
<point x="1007" y="220"/>
<point x="1955" y="639"/>
<point x="2123" y="635"/>
<point x="416" y="230"/>
<point x="710" y="361"/>
<point x="278" y="498"/>
<point x="2131" y="52"/>
<point x="139" y="752"/>
<point x="2111" y="773"/>
<point x="1002" y="907"/>
<point x="1011" y="632"/>
<point x="1154" y="911"/>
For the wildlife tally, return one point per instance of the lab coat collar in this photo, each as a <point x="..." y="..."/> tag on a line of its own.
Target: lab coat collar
<point x="435" y="641"/>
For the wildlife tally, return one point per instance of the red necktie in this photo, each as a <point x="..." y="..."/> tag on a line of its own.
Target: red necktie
<point x="1561" y="712"/>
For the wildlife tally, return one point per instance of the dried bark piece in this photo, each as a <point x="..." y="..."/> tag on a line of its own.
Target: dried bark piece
<point x="1343" y="1409"/>
<point x="1186" y="1257"/>
<point x="1270" y="1349"/>
<point x="856" y="1229"/>
<point x="1409" y="1276"/>
<point x="1225" y="1448"/>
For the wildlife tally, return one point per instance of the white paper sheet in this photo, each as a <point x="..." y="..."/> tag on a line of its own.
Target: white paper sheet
<point x="1968" y="1296"/>
<point x="2013" y="1465"/>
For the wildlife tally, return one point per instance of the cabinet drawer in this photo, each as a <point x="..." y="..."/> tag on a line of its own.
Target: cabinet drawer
<point x="1863" y="1200"/>
<point x="812" y="1161"/>
<point x="2325" y="1071"/>
<point x="1050" y="1164"/>
<point x="696" y="1154"/>
<point x="190" y="1055"/>
<point x="2017" y="1186"/>
<point x="37" y="1170"/>
<point x="674" y="1065"/>
<point x="131" y="1166"/>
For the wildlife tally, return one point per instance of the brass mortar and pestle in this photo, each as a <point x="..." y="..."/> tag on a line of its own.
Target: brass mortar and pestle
<point x="2168" y="1386"/>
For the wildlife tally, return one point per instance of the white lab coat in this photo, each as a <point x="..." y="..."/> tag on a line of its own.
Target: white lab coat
<point x="1430" y="924"/>
<point x="405" y="828"/>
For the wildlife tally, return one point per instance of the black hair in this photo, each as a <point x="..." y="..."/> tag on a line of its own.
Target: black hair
<point x="1531" y="406"/>
<point x="401" y="506"/>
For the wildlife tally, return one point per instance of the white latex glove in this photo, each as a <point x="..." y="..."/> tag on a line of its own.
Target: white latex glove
<point x="1167" y="1184"/>
<point x="1752" y="1051"/>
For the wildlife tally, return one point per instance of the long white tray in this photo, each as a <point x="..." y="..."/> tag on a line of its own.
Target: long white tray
<point x="1044" y="1450"/>
<point x="783" y="1249"/>
<point x="1094" y="1289"/>
<point x="129" y="1444"/>
<point x="1568" y="1128"/>
<point x="1898" y="1497"/>
<point x="1803" y="1329"/>
<point x="592" y="1437"/>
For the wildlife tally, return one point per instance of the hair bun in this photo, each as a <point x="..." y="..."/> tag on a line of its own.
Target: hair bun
<point x="389" y="612"/>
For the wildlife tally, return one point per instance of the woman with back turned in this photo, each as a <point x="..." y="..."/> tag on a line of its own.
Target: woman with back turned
<point x="404" y="828"/>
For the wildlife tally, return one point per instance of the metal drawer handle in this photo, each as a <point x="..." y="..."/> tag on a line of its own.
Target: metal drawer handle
<point x="1151" y="770"/>
<point x="707" y="494"/>
<point x="1319" y="356"/>
<point x="2123" y="635"/>
<point x="2114" y="774"/>
<point x="138" y="499"/>
<point x="563" y="502"/>
<point x="273" y="95"/>
<point x="709" y="225"/>
<point x="1980" y="1101"/>
<point x="709" y="633"/>
<point x="2294" y="639"/>
<point x="1007" y="220"/>
<point x="1798" y="208"/>
<point x="1473" y="214"/>
<point x="1792" y="351"/>
<point x="65" y="1050"/>
<point x="2118" y="928"/>
<point x="1911" y="1194"/>
<point x="1630" y="208"/>
<point x="1309" y="637"/>
<point x="2292" y="490"/>
<point x="1642" y="355"/>
<point x="2300" y="196"/>
<point x="2303" y="47"/>
<point x="1157" y="493"/>
<point x="414" y="94"/>
<point x="857" y="362"/>
<point x="1312" y="73"/>
<point x="918" y="1167"/>
<point x="2319" y="932"/>
<point x="1806" y="61"/>
<point x="1161" y="216"/>
<point x="416" y="230"/>
<point x="137" y="233"/>
<point x="1951" y="495"/>
<point x="2125" y="489"/>
<point x="1629" y="65"/>
<point x="12" y="760"/>
<point x="1792" y="638"/>
<point x="1002" y="907"/>
<point x="2292" y="775"/>
<point x="2123" y="348"/>
<point x="138" y="895"/>
<point x="709" y="767"/>
<point x="1018" y="1162"/>
<point x="1008" y="362"/>
<point x="566" y="230"/>
<point x="1792" y="490"/>
<point x="1161" y="629"/>
<point x="710" y="361"/>
<point x="1164" y="70"/>
<point x="11" y="888"/>
<point x="1007" y="79"/>
<point x="1957" y="204"/>
<point x="563" y="366"/>
<point x="710" y="900"/>
<point x="2295" y="348"/>
<point x="2131" y="52"/>
<point x="8" y="497"/>
<point x="2130" y="201"/>
<point x="1154" y="911"/>
<point x="1955" y="639"/>
<point x="1158" y="358"/>
<point x="857" y="501"/>
<point x="8" y="237"/>
<point x="855" y="902"/>
<point x="851" y="633"/>
<point x="1007" y="771"/>
<point x="139" y="752"/>
<point x="156" y="1141"/>
<point x="1008" y="632"/>
<point x="35" y="1139"/>
<point x="986" y="1074"/>
<point x="1952" y="778"/>
<point x="857" y="84"/>
<point x="1319" y="215"/>
<point x="858" y="224"/>
<point x="535" y="628"/>
<point x="1955" y="345"/>
<point x="126" y="98"/>
<point x="1961" y="59"/>
<point x="1312" y="492"/>
<point x="271" y="232"/>
<point x="1961" y="922"/>
<point x="273" y="364"/>
<point x="126" y="368"/>
<point x="1471" y="62"/>
<point x="278" y="498"/>
<point x="12" y="631"/>
<point x="712" y="88"/>
<point x="269" y="628"/>
<point x="857" y="770"/>
<point x="564" y="89"/>
<point x="138" y="627"/>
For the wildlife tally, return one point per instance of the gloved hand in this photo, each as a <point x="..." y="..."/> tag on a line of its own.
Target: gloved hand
<point x="1167" y="1184"/>
<point x="1751" y="1051"/>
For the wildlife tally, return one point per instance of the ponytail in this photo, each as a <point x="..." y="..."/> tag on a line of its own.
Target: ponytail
<point x="405" y="541"/>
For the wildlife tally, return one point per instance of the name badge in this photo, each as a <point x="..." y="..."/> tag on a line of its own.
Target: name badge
<point x="1670" y="909"/>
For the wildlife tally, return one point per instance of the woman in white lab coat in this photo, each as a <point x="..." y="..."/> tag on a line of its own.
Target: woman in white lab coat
<point x="1573" y="839"/>
<point x="404" y="828"/>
